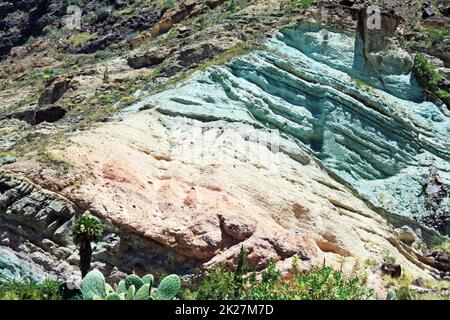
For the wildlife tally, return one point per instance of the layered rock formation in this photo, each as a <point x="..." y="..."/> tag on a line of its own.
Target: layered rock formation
<point x="292" y="151"/>
<point x="314" y="86"/>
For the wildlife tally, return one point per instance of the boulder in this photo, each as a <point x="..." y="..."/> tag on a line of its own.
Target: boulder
<point x="394" y="270"/>
<point x="406" y="234"/>
<point x="49" y="113"/>
<point x="442" y="257"/>
<point x="426" y="13"/>
<point x="7" y="160"/>
<point x="412" y="238"/>
<point x="149" y="59"/>
<point x="23" y="114"/>
<point x="237" y="227"/>
<point x="54" y="90"/>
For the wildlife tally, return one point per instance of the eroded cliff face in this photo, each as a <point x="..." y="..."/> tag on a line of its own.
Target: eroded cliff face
<point x="292" y="150"/>
<point x="315" y="85"/>
<point x="36" y="240"/>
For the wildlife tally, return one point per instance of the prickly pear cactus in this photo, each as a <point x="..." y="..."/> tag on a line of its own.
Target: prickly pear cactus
<point x="130" y="293"/>
<point x="391" y="295"/>
<point x="93" y="285"/>
<point x="148" y="278"/>
<point x="121" y="287"/>
<point x="108" y="288"/>
<point x="113" y="296"/>
<point x="143" y="293"/>
<point x="169" y="287"/>
<point x="133" y="279"/>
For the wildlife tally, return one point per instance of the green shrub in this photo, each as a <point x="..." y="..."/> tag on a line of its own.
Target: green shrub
<point x="47" y="30"/>
<point x="103" y="54"/>
<point x="30" y="290"/>
<point x="321" y="283"/>
<point x="438" y="34"/>
<point x="168" y="4"/>
<point x="78" y="38"/>
<point x="327" y="284"/>
<point x="87" y="227"/>
<point x="405" y="293"/>
<point x="103" y="13"/>
<point x="429" y="78"/>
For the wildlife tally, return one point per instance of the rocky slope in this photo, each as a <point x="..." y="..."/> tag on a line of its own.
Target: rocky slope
<point x="311" y="143"/>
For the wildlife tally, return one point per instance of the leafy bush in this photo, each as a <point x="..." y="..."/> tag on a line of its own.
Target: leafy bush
<point x="438" y="34"/>
<point x="103" y="54"/>
<point x="429" y="78"/>
<point x="78" y="38"/>
<point x="321" y="283"/>
<point x="47" y="30"/>
<point x="30" y="290"/>
<point x="168" y="4"/>
<point x="103" y="13"/>
<point x="405" y="293"/>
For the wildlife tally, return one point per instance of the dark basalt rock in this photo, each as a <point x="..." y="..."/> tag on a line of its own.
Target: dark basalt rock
<point x="23" y="114"/>
<point x="347" y="3"/>
<point x="49" y="113"/>
<point x="394" y="270"/>
<point x="120" y="30"/>
<point x="34" y="115"/>
<point x="442" y="257"/>
<point x="29" y="18"/>
<point x="446" y="11"/>
<point x="19" y="20"/>
<point x="427" y="13"/>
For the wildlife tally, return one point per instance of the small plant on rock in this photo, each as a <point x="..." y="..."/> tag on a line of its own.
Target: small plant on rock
<point x="106" y="75"/>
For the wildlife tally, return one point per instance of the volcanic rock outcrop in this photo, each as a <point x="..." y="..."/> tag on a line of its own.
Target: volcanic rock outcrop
<point x="312" y="147"/>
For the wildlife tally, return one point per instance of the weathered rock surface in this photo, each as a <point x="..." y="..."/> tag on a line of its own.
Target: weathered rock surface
<point x="36" y="114"/>
<point x="54" y="90"/>
<point x="314" y="87"/>
<point x="142" y="176"/>
<point x="149" y="59"/>
<point x="35" y="233"/>
<point x="181" y="11"/>
<point x="119" y="29"/>
<point x="24" y="18"/>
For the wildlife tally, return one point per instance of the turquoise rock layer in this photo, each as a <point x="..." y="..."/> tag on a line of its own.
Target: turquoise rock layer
<point x="372" y="130"/>
<point x="13" y="267"/>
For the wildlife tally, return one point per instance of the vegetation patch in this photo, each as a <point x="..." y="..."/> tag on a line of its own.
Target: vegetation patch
<point x="30" y="290"/>
<point x="321" y="283"/>
<point x="430" y="79"/>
